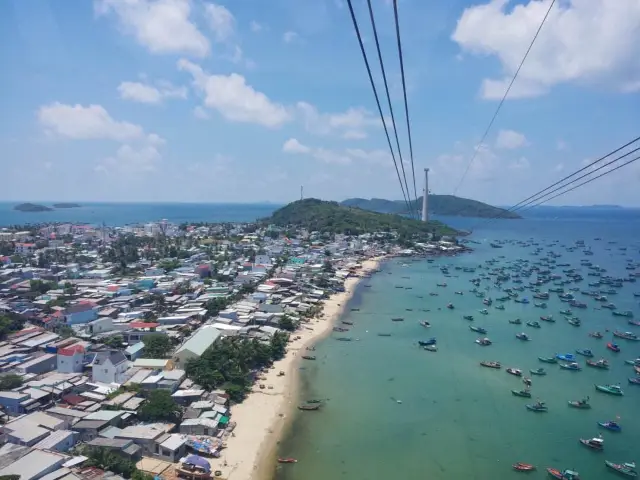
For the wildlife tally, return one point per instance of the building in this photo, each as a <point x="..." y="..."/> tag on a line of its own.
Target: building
<point x="109" y="367"/>
<point x="133" y="352"/>
<point x="34" y="465"/>
<point x="70" y="359"/>
<point x="25" y="248"/>
<point x="80" y="313"/>
<point x="193" y="348"/>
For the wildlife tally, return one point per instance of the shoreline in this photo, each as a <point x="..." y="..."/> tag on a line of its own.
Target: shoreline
<point x="264" y="415"/>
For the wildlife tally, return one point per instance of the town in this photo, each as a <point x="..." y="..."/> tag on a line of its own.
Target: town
<point x="127" y="352"/>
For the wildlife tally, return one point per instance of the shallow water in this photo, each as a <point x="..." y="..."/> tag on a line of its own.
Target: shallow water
<point x="457" y="419"/>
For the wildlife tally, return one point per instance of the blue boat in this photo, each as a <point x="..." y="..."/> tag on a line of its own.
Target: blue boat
<point x="426" y="343"/>
<point x="567" y="357"/>
<point x="585" y="352"/>
<point x="611" y="425"/>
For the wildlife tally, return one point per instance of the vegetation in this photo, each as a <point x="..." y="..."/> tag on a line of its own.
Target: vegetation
<point x="438" y="205"/>
<point x="318" y="215"/>
<point x="10" y="381"/>
<point x="160" y="407"/>
<point x="9" y="324"/>
<point x="231" y="362"/>
<point x="112" y="461"/>
<point x="32" y="207"/>
<point x="287" y="323"/>
<point x="156" y="345"/>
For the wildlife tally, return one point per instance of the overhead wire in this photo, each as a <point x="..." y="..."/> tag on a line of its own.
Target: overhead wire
<point x="386" y="88"/>
<point x="404" y="94"/>
<point x="504" y="97"/>
<point x="375" y="93"/>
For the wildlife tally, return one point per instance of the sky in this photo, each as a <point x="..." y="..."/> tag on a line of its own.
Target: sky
<point x="248" y="100"/>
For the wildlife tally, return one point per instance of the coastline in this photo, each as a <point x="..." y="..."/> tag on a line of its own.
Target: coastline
<point x="263" y="416"/>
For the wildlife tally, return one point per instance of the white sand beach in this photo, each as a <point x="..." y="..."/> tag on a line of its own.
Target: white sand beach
<point x="261" y="418"/>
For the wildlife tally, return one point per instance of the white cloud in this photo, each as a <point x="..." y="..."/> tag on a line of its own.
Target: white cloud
<point x="562" y="145"/>
<point x="92" y="122"/>
<point x="294" y="146"/>
<point x="145" y="93"/>
<point x="221" y="21"/>
<point x="351" y="124"/>
<point x="200" y="113"/>
<point x="131" y="159"/>
<point x="588" y="41"/>
<point x="343" y="157"/>
<point x="510" y="139"/>
<point x="559" y="167"/>
<point x="255" y="26"/>
<point x="289" y="37"/>
<point x="521" y="164"/>
<point x="162" y="26"/>
<point x="234" y="99"/>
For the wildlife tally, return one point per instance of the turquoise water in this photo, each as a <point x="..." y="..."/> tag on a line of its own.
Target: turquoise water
<point x="458" y="420"/>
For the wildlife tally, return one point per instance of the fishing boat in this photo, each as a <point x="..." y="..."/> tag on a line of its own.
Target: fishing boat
<point x="634" y="322"/>
<point x="595" y="335"/>
<point x="566" y="312"/>
<point x="602" y="364"/>
<point x="634" y="380"/>
<point x="425" y="324"/>
<point x="614" y="347"/>
<point x="484" y="311"/>
<point x="477" y="329"/>
<point x="483" y="341"/>
<point x="523" y="467"/>
<point x="287" y="460"/>
<point x="548" y="359"/>
<point x="521" y="393"/>
<point x="500" y="307"/>
<point x="468" y="317"/>
<point x="384" y="334"/>
<point x="627" y="314"/>
<point x="611" y="426"/>
<point x="540" y="304"/>
<point x="537" y="407"/>
<point x="574" y="321"/>
<point x="627" y="469"/>
<point x="610" y="389"/>
<point x="585" y="352"/>
<point x="595" y="443"/>
<point x="567" y="357"/>
<point x="517" y="321"/>
<point x="489" y="364"/>
<point x="308" y="357"/>
<point x="450" y="306"/>
<point x="514" y="371"/>
<point x="307" y="407"/>
<point x="533" y="324"/>
<point x="563" y="475"/>
<point x="522" y="336"/>
<point x="635" y="362"/>
<point x="547" y="318"/>
<point x="571" y="366"/>
<point x="582" y="404"/>
<point x="397" y="319"/>
<point x="626" y="335"/>
<point x="426" y="343"/>
<point x="538" y="371"/>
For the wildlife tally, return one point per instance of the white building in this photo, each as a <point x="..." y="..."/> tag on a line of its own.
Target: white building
<point x="109" y="367"/>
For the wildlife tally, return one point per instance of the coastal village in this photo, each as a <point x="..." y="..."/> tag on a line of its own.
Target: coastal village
<point x="163" y="350"/>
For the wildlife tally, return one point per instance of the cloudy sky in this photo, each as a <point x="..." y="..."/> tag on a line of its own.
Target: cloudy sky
<point x="246" y="100"/>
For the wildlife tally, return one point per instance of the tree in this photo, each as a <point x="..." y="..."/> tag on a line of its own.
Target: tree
<point x="287" y="323"/>
<point x="9" y="324"/>
<point x="10" y="381"/>
<point x="156" y="345"/>
<point x="159" y="406"/>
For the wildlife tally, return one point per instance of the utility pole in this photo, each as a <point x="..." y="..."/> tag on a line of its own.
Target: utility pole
<point x="425" y="197"/>
<point x="301" y="192"/>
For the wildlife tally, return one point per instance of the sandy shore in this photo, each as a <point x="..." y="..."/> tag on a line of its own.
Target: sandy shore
<point x="261" y="418"/>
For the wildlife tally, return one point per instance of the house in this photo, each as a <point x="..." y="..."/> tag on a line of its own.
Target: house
<point x="154" y="363"/>
<point x="25" y="248"/>
<point x="133" y="352"/>
<point x="193" y="348"/>
<point x="60" y="441"/>
<point x="146" y="435"/>
<point x="10" y="402"/>
<point x="70" y="359"/>
<point x="80" y="313"/>
<point x="35" y="464"/>
<point x="109" y="367"/>
<point x="122" y="446"/>
<point x="171" y="447"/>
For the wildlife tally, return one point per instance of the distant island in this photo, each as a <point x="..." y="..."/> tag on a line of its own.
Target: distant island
<point x="66" y="205"/>
<point x="332" y="217"/>
<point x="32" y="207"/>
<point x="438" y="205"/>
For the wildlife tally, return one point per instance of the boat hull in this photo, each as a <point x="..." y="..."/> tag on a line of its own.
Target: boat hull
<point x="621" y="469"/>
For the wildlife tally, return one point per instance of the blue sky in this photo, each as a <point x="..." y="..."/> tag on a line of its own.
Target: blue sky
<point x="246" y="100"/>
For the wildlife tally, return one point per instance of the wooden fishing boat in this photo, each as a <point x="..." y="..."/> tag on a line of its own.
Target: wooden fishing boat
<point x="521" y="393"/>
<point x="537" y="407"/>
<point x="306" y="407"/>
<point x="563" y="475"/>
<point x="614" y="347"/>
<point x="595" y="443"/>
<point x="625" y="469"/>
<point x="538" y="371"/>
<point x="581" y="404"/>
<point x="523" y="467"/>
<point x="287" y="460"/>
<point x="548" y="359"/>
<point x="602" y="364"/>
<point x="610" y="389"/>
<point x="308" y="357"/>
<point x="514" y="371"/>
<point x="488" y="364"/>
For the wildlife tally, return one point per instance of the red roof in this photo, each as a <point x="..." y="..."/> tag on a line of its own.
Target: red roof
<point x="71" y="350"/>
<point x="144" y="324"/>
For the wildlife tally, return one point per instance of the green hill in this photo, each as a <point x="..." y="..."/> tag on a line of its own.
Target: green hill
<point x="438" y="205"/>
<point x="318" y="215"/>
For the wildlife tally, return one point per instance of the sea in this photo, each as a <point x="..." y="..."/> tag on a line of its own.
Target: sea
<point x="392" y="410"/>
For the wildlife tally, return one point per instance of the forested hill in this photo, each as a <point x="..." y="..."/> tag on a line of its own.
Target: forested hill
<point x="318" y="215"/>
<point x="438" y="205"/>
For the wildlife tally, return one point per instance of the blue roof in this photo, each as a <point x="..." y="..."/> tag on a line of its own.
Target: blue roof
<point x="131" y="349"/>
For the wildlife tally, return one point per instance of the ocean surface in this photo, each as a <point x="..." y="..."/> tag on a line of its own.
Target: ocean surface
<point x="456" y="419"/>
<point x="118" y="214"/>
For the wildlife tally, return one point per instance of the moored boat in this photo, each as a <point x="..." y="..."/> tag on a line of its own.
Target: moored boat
<point x="610" y="389"/>
<point x="547" y="318"/>
<point x="308" y="357"/>
<point x="533" y="324"/>
<point x="523" y="467"/>
<point x="483" y="341"/>
<point x="522" y="336"/>
<point x="468" y="317"/>
<point x="567" y="357"/>
<point x="595" y="443"/>
<point x="626" y="335"/>
<point x="517" y="321"/>
<point x="514" y="371"/>
<point x="538" y="371"/>
<point x="287" y="460"/>
<point x="484" y="311"/>
<point x="571" y="366"/>
<point x="595" y="334"/>
<point x="425" y="343"/>
<point x="491" y="364"/>
<point x="634" y="380"/>
<point x="425" y="324"/>
<point x="611" y="426"/>
<point x="521" y="393"/>
<point x="537" y="407"/>
<point x="548" y="359"/>
<point x="450" y="306"/>
<point x="601" y="364"/>
<point x="614" y="347"/>
<point x="308" y="407"/>
<point x="583" y="404"/>
<point x="627" y="469"/>
<point x="585" y="352"/>
<point x="563" y="475"/>
<point x="477" y="329"/>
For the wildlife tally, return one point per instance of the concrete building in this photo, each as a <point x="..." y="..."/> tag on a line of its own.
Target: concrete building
<point x="193" y="348"/>
<point x="70" y="359"/>
<point x="109" y="367"/>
